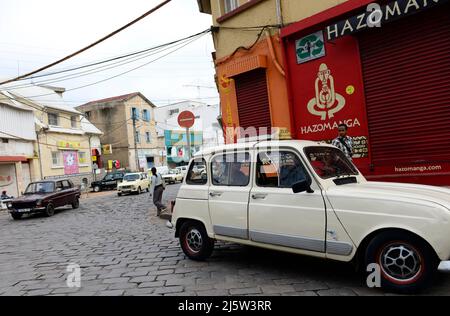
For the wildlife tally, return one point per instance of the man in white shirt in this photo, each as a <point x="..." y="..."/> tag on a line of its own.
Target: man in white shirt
<point x="157" y="189"/>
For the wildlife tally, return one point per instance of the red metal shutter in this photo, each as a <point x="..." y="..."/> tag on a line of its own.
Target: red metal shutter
<point x="253" y="99"/>
<point x="406" y="68"/>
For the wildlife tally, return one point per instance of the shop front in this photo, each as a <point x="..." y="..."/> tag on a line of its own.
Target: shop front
<point x="384" y="70"/>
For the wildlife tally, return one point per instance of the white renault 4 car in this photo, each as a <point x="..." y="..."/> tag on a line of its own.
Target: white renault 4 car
<point x="308" y="198"/>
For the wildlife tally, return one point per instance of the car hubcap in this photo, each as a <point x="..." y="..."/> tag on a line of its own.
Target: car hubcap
<point x="401" y="262"/>
<point x="194" y="240"/>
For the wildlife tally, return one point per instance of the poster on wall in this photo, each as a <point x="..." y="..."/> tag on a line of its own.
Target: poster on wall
<point x="8" y="181"/>
<point x="329" y="91"/>
<point x="70" y="159"/>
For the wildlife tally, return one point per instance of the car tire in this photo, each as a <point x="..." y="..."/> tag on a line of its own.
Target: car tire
<point x="76" y="203"/>
<point x="407" y="263"/>
<point x="119" y="194"/>
<point x="139" y="191"/>
<point x="195" y="242"/>
<point x="49" y="210"/>
<point x="16" y="216"/>
<point x="97" y="189"/>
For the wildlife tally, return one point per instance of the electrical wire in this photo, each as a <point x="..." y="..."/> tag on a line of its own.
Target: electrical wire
<point x="131" y="56"/>
<point x="104" y="67"/>
<point x="159" y="6"/>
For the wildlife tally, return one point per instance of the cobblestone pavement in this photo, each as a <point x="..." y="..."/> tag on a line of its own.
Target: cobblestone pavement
<point x="124" y="249"/>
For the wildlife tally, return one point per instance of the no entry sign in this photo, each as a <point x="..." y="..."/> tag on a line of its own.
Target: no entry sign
<point x="186" y="119"/>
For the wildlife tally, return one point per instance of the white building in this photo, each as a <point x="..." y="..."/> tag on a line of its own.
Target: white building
<point x="18" y="158"/>
<point x="206" y="126"/>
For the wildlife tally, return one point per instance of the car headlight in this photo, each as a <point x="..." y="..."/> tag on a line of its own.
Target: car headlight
<point x="39" y="203"/>
<point x="9" y="205"/>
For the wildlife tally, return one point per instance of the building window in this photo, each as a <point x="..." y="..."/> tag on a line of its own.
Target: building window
<point x="73" y="121"/>
<point x="174" y="111"/>
<point x="138" y="137"/>
<point x="135" y="113"/>
<point x="5" y="140"/>
<point x="52" y="119"/>
<point x="146" y="115"/>
<point x="148" y="137"/>
<point x="82" y="158"/>
<point x="56" y="159"/>
<point x="230" y="5"/>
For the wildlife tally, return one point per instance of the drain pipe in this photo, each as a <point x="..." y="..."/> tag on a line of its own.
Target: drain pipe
<point x="272" y="54"/>
<point x="279" y="13"/>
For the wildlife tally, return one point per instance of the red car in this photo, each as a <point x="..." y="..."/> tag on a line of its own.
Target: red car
<point x="44" y="197"/>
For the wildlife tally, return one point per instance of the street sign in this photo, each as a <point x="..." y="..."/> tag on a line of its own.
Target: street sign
<point x="186" y="119"/>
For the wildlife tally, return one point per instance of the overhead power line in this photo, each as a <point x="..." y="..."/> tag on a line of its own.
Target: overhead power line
<point x="123" y="61"/>
<point x="91" y="45"/>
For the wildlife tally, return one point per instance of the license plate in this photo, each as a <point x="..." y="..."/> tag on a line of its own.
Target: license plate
<point x="24" y="210"/>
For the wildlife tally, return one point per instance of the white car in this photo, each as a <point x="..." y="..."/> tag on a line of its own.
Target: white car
<point x="133" y="183"/>
<point x="183" y="169"/>
<point x="173" y="176"/>
<point x="308" y="198"/>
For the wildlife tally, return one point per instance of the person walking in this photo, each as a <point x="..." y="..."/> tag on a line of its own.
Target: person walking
<point x="157" y="190"/>
<point x="344" y="142"/>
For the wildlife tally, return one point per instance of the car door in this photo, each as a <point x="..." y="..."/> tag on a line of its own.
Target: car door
<point x="229" y="193"/>
<point x="67" y="193"/>
<point x="58" y="198"/>
<point x="277" y="216"/>
<point x="109" y="182"/>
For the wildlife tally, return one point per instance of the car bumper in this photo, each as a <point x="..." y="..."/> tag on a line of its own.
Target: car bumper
<point x="444" y="266"/>
<point x="131" y="190"/>
<point x="26" y="210"/>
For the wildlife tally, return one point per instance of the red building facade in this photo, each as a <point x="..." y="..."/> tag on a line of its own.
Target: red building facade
<point x="384" y="70"/>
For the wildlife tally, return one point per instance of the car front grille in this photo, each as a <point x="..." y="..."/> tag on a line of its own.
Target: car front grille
<point x="23" y="205"/>
<point x="126" y="187"/>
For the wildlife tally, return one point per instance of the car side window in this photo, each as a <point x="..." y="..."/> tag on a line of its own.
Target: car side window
<point x="231" y="170"/>
<point x="279" y="169"/>
<point x="109" y="177"/>
<point x="59" y="186"/>
<point x="197" y="174"/>
<point x="66" y="185"/>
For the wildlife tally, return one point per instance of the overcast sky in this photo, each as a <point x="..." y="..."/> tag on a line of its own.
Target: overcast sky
<point x="34" y="33"/>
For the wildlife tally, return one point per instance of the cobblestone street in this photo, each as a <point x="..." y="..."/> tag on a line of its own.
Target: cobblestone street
<point x="124" y="249"/>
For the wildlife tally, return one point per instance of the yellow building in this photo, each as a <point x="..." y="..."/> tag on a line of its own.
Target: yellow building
<point x="250" y="62"/>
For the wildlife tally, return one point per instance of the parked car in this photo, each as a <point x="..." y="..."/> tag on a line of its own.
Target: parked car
<point x="109" y="182"/>
<point x="308" y="198"/>
<point x="134" y="183"/>
<point x="173" y="176"/>
<point x="183" y="170"/>
<point x="44" y="197"/>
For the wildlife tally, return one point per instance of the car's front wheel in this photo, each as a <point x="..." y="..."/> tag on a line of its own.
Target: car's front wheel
<point x="97" y="188"/>
<point x="195" y="241"/>
<point x="16" y="216"/>
<point x="407" y="263"/>
<point x="49" y="210"/>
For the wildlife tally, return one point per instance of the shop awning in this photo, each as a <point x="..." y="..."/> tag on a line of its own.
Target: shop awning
<point x="13" y="159"/>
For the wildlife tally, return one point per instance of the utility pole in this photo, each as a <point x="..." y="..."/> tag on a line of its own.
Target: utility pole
<point x="135" y="142"/>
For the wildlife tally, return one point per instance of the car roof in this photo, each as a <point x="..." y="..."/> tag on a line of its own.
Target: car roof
<point x="263" y="144"/>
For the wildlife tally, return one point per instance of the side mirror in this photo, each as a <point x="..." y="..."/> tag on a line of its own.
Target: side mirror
<point x="302" y="186"/>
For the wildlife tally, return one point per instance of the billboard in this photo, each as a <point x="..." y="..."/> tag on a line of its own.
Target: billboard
<point x="179" y="139"/>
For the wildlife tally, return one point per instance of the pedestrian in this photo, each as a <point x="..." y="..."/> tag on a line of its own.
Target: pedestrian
<point x="344" y="142"/>
<point x="157" y="190"/>
<point x="4" y="196"/>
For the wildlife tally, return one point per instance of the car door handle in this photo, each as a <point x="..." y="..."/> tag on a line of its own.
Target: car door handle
<point x="215" y="194"/>
<point x="259" y="196"/>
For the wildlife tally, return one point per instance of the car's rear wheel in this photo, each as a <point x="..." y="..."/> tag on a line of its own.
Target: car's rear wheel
<point x="407" y="263"/>
<point x="119" y="194"/>
<point x="195" y="241"/>
<point x="76" y="203"/>
<point x="49" y="210"/>
<point x="16" y="216"/>
<point x="97" y="188"/>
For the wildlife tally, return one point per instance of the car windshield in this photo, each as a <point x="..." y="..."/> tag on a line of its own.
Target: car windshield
<point x="131" y="177"/>
<point x="329" y="162"/>
<point x="40" y="188"/>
